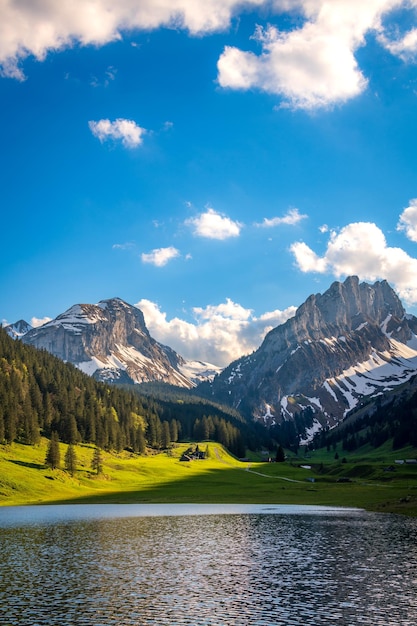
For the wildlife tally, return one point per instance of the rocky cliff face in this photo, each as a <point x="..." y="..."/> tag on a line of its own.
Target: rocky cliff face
<point x="110" y="341"/>
<point x="353" y="341"/>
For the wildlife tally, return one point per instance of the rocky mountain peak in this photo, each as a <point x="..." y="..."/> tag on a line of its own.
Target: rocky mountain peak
<point x="344" y="307"/>
<point x="18" y="329"/>
<point x="349" y="342"/>
<point x="110" y="340"/>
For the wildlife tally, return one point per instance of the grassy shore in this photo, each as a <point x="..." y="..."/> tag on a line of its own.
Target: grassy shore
<point x="371" y="480"/>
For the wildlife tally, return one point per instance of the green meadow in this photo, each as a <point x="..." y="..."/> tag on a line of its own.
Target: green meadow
<point x="371" y="480"/>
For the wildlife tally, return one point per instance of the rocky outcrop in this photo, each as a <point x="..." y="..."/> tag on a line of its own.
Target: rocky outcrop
<point x="355" y="340"/>
<point x="110" y="341"/>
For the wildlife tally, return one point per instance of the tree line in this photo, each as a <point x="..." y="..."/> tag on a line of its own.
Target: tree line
<point x="41" y="395"/>
<point x="396" y="420"/>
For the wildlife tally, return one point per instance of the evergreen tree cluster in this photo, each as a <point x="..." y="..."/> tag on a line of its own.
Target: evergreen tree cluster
<point x="42" y="395"/>
<point x="396" y="420"/>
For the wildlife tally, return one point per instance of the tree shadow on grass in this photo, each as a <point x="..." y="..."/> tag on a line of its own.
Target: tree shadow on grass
<point x="38" y="466"/>
<point x="225" y="485"/>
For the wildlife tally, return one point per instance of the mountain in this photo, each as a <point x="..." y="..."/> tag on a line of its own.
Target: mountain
<point x="353" y="342"/>
<point x="40" y="394"/>
<point x="111" y="342"/>
<point x="18" y="329"/>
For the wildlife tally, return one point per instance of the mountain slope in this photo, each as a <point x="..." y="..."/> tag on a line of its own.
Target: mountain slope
<point x="353" y="341"/>
<point x="110" y="341"/>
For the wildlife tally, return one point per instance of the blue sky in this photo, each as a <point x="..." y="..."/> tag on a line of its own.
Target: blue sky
<point x="214" y="166"/>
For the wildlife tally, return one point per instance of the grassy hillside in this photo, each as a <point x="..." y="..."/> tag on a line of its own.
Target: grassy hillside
<point x="220" y="478"/>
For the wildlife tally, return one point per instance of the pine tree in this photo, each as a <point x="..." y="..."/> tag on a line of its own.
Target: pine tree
<point x="154" y="431"/>
<point x="10" y="420"/>
<point x="173" y="427"/>
<point x="71" y="431"/>
<point x="70" y="460"/>
<point x="140" y="441"/>
<point x="2" y="429"/>
<point x="97" y="462"/>
<point x="205" y="428"/>
<point x="165" y="435"/>
<point x="280" y="456"/>
<point x="53" y="455"/>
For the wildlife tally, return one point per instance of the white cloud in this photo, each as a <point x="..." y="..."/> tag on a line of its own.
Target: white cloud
<point x="35" y="28"/>
<point x="214" y="225"/>
<point x="292" y="217"/>
<point x="123" y="246"/>
<point x="128" y="131"/>
<point x="228" y="309"/>
<point x="311" y="66"/>
<point x="403" y="46"/>
<point x="160" y="256"/>
<point x="36" y="321"/>
<point x="306" y="259"/>
<point x="220" y="334"/>
<point x="361" y="249"/>
<point x="408" y="220"/>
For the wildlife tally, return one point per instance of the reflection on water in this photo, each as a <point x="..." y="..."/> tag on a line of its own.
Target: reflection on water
<point x="270" y="567"/>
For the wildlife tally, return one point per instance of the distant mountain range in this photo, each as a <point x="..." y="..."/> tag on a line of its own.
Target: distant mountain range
<point x="110" y="341"/>
<point x="343" y="347"/>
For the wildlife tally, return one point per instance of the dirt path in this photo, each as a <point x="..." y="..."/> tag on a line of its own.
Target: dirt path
<point x="248" y="469"/>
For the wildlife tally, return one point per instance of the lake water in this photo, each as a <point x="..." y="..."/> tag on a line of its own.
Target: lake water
<point x="125" y="565"/>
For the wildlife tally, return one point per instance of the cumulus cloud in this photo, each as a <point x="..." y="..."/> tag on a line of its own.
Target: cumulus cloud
<point x="160" y="256"/>
<point x="292" y="217"/>
<point x="130" y="134"/>
<point x="306" y="259"/>
<point x="214" y="225"/>
<point x="35" y="28"/>
<point x="408" y="220"/>
<point x="402" y="46"/>
<point x="314" y="65"/>
<point x="310" y="66"/>
<point x="220" y="333"/>
<point x="36" y="321"/>
<point x="361" y="249"/>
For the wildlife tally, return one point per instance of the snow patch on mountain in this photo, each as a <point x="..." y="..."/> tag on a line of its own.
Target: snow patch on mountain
<point x="382" y="371"/>
<point x="198" y="371"/>
<point x="310" y="432"/>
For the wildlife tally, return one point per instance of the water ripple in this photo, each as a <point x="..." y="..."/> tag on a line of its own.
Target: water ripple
<point x="211" y="570"/>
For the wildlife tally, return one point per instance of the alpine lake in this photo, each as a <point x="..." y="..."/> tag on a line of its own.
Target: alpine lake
<point x="197" y="564"/>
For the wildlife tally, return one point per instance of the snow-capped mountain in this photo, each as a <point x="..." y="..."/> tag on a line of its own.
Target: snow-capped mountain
<point x="353" y="342"/>
<point x="18" y="329"/>
<point x="111" y="342"/>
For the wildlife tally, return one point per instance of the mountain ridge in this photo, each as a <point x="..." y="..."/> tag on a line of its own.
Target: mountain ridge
<point x="341" y="348"/>
<point x="353" y="341"/>
<point x="110" y="341"/>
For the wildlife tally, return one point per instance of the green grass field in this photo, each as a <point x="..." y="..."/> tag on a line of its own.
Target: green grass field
<point x="128" y="478"/>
